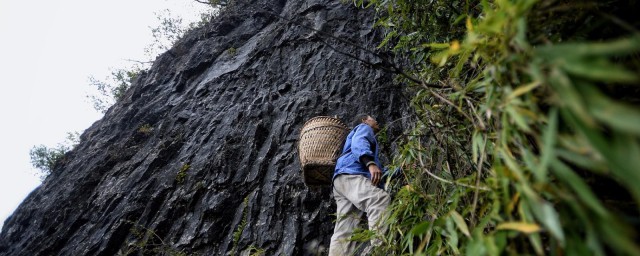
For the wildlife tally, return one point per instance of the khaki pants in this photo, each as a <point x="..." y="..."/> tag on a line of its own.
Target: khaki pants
<point x="354" y="195"/>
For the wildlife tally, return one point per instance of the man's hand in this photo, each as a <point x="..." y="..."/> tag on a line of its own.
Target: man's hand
<point x="376" y="174"/>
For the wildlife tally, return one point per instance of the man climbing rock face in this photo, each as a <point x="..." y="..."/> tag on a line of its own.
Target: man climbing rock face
<point x="357" y="187"/>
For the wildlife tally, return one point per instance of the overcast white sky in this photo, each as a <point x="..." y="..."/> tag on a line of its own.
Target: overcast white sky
<point x="48" y="49"/>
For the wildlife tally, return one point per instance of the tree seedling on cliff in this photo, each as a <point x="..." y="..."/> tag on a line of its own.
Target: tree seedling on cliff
<point x="46" y="158"/>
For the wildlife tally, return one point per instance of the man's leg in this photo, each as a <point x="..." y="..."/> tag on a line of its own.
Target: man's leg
<point x="376" y="214"/>
<point x="348" y="218"/>
<point x="370" y="199"/>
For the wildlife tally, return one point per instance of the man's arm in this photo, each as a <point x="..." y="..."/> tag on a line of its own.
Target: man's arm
<point x="361" y="147"/>
<point x="373" y="168"/>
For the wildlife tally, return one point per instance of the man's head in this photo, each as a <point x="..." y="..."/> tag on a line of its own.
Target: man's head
<point x="370" y="121"/>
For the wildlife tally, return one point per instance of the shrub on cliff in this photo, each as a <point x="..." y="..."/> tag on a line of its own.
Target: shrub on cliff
<point x="527" y="130"/>
<point x="46" y="158"/>
<point x="169" y="30"/>
<point x="113" y="87"/>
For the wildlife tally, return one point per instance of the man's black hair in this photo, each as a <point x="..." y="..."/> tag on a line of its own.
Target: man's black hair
<point x="358" y="119"/>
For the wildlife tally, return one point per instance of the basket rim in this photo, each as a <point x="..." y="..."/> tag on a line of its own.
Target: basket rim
<point x="329" y="117"/>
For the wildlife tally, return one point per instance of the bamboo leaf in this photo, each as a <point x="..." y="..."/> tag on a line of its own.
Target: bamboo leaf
<point x="515" y="169"/>
<point x="621" y="155"/>
<point x="521" y="35"/>
<point x="536" y="242"/>
<point x="592" y="240"/>
<point x="598" y="70"/>
<point x="475" y="146"/>
<point x="523" y="227"/>
<point x="622" y="46"/>
<point x="462" y="59"/>
<point x="517" y="118"/>
<point x="523" y="89"/>
<point x="421" y="228"/>
<point x="512" y="203"/>
<point x="548" y="217"/>
<point x="459" y="18"/>
<point x="440" y="58"/>
<point x="569" y="96"/>
<point x="548" y="145"/>
<point x="462" y="225"/>
<point x="618" y="115"/>
<point x="579" y="186"/>
<point x="624" y="152"/>
<point x="583" y="161"/>
<point x="386" y="39"/>
<point x="437" y="45"/>
<point x="452" y="235"/>
<point x="595" y="139"/>
<point x="620" y="238"/>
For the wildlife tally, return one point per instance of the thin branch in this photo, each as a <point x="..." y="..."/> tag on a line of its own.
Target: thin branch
<point x="476" y="192"/>
<point x="203" y="2"/>
<point x="139" y="62"/>
<point x="219" y="4"/>
<point x="448" y="181"/>
<point x="451" y="104"/>
<point x="481" y="124"/>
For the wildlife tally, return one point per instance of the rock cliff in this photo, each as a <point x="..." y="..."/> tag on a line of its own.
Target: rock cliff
<point x="200" y="155"/>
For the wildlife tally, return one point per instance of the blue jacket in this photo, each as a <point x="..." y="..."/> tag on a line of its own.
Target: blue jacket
<point x="360" y="141"/>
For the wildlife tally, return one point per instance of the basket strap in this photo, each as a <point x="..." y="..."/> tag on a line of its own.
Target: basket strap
<point x="349" y="149"/>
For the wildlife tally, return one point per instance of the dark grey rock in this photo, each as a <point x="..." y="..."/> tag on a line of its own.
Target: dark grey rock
<point x="224" y="107"/>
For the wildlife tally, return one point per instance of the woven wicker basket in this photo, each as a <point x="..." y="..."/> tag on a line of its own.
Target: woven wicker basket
<point x="320" y="144"/>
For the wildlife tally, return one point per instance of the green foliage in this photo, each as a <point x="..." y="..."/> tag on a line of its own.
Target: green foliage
<point x="172" y="28"/>
<point x="169" y="30"/>
<point x="145" y="241"/>
<point x="145" y="129"/>
<point x="113" y="87"/>
<point x="243" y="223"/>
<point x="255" y="251"/>
<point x="522" y="114"/>
<point x="182" y="173"/>
<point x="232" y="51"/>
<point x="46" y="158"/>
